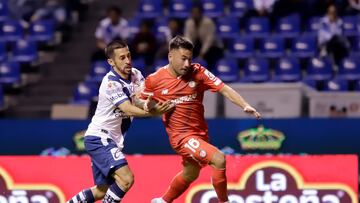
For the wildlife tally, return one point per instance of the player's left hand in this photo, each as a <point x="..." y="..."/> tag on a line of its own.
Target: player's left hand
<point x="252" y="110"/>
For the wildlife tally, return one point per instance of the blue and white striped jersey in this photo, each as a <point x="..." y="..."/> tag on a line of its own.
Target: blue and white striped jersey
<point x="109" y="121"/>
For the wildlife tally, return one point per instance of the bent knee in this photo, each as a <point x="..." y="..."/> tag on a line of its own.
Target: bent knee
<point x="218" y="160"/>
<point x="126" y="181"/>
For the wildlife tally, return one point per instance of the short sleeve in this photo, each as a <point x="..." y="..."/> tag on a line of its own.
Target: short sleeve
<point x="114" y="92"/>
<point x="210" y="81"/>
<point x="148" y="89"/>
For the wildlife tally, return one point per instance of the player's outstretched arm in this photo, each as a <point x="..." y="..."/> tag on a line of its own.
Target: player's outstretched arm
<point x="128" y="108"/>
<point x="237" y="99"/>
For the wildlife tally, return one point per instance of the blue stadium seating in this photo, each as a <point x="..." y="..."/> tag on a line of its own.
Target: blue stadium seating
<point x="180" y="8"/>
<point x="258" y="27"/>
<point x="3" y="52"/>
<point x="227" y="70"/>
<point x="3" y="9"/>
<point x="289" y="26"/>
<point x="43" y="30"/>
<point x="256" y="70"/>
<point x="98" y="70"/>
<point x="200" y="61"/>
<point x="85" y="92"/>
<point x="349" y="68"/>
<point x="133" y="25"/>
<point x="313" y="25"/>
<point x="357" y="85"/>
<point x="310" y="82"/>
<point x="161" y="28"/>
<point x="213" y="8"/>
<point x="239" y="7"/>
<point x="12" y="30"/>
<point x="287" y="69"/>
<point x="336" y="84"/>
<point x="242" y="47"/>
<point x="350" y="26"/>
<point x="159" y="63"/>
<point x="228" y="27"/>
<point x="2" y="98"/>
<point x="139" y="64"/>
<point x="304" y="46"/>
<point x="10" y="74"/>
<point x="150" y="8"/>
<point x="25" y="50"/>
<point x="272" y="47"/>
<point x="320" y="68"/>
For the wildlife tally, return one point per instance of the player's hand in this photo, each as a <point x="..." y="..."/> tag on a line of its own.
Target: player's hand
<point x="251" y="110"/>
<point x="162" y="107"/>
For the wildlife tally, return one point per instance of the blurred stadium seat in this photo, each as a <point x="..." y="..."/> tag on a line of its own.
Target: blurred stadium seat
<point x="10" y="74"/>
<point x="3" y="9"/>
<point x="139" y="64"/>
<point x="289" y="26"/>
<point x="287" y="69"/>
<point x="258" y="27"/>
<point x="213" y="8"/>
<point x="304" y="46"/>
<point x="350" y="68"/>
<point x="3" y="52"/>
<point x="150" y="8"/>
<point x="85" y="92"/>
<point x="350" y="26"/>
<point x="320" y="69"/>
<point x="227" y="70"/>
<point x="242" y="47"/>
<point x="238" y="8"/>
<point x="12" y="30"/>
<point x="256" y="70"/>
<point x="25" y="50"/>
<point x="228" y="27"/>
<point x="272" y="47"/>
<point x="43" y="30"/>
<point x="180" y="8"/>
<point x="336" y="84"/>
<point x="98" y="70"/>
<point x="313" y="25"/>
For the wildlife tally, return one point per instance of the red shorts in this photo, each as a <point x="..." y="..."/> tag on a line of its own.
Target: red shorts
<point x="196" y="150"/>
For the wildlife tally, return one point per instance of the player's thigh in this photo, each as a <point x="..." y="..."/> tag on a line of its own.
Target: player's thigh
<point x="198" y="150"/>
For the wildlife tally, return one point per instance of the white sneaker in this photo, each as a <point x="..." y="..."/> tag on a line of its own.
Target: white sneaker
<point x="158" y="200"/>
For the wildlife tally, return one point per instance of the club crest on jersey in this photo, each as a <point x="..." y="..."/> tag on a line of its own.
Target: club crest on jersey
<point x="165" y="91"/>
<point x="192" y="84"/>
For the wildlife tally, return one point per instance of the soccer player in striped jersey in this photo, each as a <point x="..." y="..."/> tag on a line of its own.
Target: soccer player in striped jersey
<point x="184" y="83"/>
<point x="105" y="135"/>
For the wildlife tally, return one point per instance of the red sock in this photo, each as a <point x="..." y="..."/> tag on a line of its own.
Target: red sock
<point x="177" y="187"/>
<point x="220" y="184"/>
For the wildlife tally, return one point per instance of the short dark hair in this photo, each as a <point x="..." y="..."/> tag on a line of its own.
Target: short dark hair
<point x="115" y="9"/>
<point x="116" y="44"/>
<point x="180" y="42"/>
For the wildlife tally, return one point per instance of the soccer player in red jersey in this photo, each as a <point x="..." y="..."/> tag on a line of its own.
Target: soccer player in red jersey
<point x="184" y="83"/>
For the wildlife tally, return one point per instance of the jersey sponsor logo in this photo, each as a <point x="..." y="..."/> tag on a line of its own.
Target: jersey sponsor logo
<point x="275" y="182"/>
<point x="184" y="99"/>
<point x="212" y="77"/>
<point x="117" y="154"/>
<point x="117" y="96"/>
<point x="29" y="193"/>
<point x="119" y="113"/>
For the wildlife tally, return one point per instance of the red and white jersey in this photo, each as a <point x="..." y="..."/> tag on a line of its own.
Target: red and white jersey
<point x="186" y="93"/>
